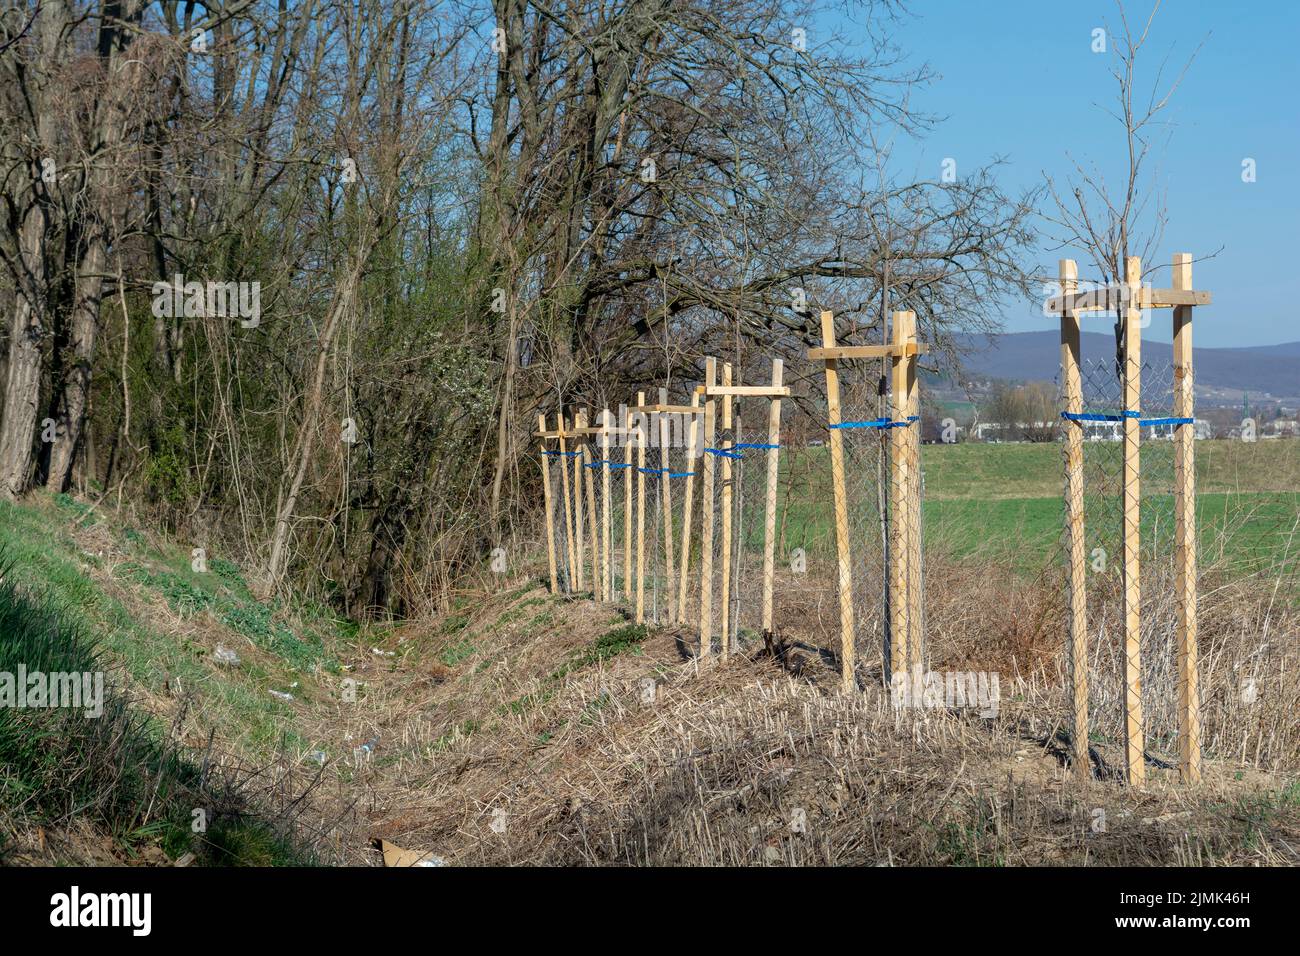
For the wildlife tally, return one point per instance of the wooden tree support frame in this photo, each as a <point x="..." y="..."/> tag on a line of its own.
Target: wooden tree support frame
<point x="629" y="450"/>
<point x="904" y="553"/>
<point x="769" y="500"/>
<point x="1076" y="542"/>
<point x="1133" y="299"/>
<point x="666" y="502"/>
<point x="606" y="554"/>
<point x="640" y="514"/>
<point x="706" y="517"/>
<point x="546" y="492"/>
<point x="568" y="504"/>
<point x="725" y="443"/>
<point x="593" y="516"/>
<point x="695" y="451"/>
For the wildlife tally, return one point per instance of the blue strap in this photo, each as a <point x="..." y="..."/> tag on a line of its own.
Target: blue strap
<point x="750" y="444"/>
<point x="666" y="471"/>
<point x="880" y="423"/>
<point x="561" y="454"/>
<point x="723" y="452"/>
<point x="874" y="423"/>
<point x="1099" y="417"/>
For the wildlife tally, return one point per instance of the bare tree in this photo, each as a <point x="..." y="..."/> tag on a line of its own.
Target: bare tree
<point x="1111" y="223"/>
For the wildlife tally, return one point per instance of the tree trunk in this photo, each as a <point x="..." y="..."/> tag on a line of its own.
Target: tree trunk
<point x="26" y="338"/>
<point x="71" y="414"/>
<point x="28" y="330"/>
<point x="344" y="302"/>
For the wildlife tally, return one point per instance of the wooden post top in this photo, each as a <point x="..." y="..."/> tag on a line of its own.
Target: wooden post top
<point x="895" y="349"/>
<point x="1108" y="299"/>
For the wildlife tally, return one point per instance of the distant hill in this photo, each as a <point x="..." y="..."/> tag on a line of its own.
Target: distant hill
<point x="1272" y="370"/>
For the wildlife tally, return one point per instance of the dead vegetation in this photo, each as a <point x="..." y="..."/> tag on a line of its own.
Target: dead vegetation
<point x="525" y="728"/>
<point x="512" y="757"/>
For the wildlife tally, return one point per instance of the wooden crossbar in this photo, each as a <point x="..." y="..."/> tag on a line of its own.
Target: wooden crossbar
<point x="669" y="409"/>
<point x="741" y="391"/>
<point x="1106" y="300"/>
<point x="892" y="350"/>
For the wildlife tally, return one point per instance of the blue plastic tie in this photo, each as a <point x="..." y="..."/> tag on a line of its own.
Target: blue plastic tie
<point x="880" y="423"/>
<point x="874" y="423"/>
<point x="1099" y="417"/>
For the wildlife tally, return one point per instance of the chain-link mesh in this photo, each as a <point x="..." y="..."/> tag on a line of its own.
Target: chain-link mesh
<point x="614" y="475"/>
<point x="558" y="466"/>
<point x="1102" y="427"/>
<point x="749" y="482"/>
<point x="715" y="522"/>
<point x="665" y="472"/>
<point x="806" y="604"/>
<point x="873" y="522"/>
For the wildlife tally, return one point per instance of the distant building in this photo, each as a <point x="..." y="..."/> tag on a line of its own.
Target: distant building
<point x="1092" y="431"/>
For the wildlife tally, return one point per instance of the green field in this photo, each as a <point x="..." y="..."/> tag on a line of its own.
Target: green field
<point x="1006" y="499"/>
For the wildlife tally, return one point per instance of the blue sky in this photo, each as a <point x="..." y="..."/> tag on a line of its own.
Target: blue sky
<point x="1018" y="80"/>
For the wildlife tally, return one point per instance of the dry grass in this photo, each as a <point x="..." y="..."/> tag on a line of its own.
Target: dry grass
<point x="505" y="732"/>
<point x="492" y="760"/>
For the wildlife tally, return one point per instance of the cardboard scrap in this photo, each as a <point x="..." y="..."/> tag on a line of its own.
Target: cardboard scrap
<point x="395" y="855"/>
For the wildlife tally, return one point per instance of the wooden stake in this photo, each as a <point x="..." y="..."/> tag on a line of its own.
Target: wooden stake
<point x="912" y="436"/>
<point x="666" y="504"/>
<point x="1189" y="698"/>
<point x="596" y="579"/>
<point x="769" y="515"/>
<point x="568" y="505"/>
<point x="696" y="450"/>
<point x="550" y="519"/>
<point x="628" y="458"/>
<point x="606" y="573"/>
<point x="1132" y="492"/>
<point x="640" y="511"/>
<point x="1072" y="393"/>
<point x="706" y="520"/>
<point x="727" y="491"/>
<point x="847" y="679"/>
<point x="899" y="538"/>
<point x="579" y="526"/>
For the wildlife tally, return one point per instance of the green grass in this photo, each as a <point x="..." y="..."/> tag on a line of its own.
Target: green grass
<point x="114" y="768"/>
<point x="1255" y="528"/>
<point x="622" y="639"/>
<point x="1005" y="499"/>
<point x="37" y="537"/>
<point x="1026" y="470"/>
<point x="453" y="655"/>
